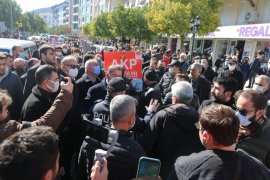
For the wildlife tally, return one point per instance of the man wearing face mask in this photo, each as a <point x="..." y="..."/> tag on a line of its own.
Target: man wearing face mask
<point x="58" y="52"/>
<point x="151" y="91"/>
<point x="261" y="84"/>
<point x="254" y="126"/>
<point x="125" y="155"/>
<point x="65" y="50"/>
<point x="47" y="56"/>
<point x="233" y="73"/>
<point x="89" y="79"/>
<point x="20" y="66"/>
<point x="167" y="79"/>
<point x="43" y="94"/>
<point x="17" y="52"/>
<point x="265" y="69"/>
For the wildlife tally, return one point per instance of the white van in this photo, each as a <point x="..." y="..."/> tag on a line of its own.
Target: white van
<point x="7" y="44"/>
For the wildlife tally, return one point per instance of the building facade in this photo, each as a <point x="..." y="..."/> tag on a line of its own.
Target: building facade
<point x="245" y="28"/>
<point x="59" y="14"/>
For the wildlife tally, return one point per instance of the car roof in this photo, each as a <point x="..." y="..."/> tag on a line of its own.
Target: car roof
<point x="6" y="43"/>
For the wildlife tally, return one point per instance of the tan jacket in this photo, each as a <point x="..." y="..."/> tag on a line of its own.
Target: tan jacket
<point x="53" y="117"/>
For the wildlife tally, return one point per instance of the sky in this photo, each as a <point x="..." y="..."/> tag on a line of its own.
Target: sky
<point x="29" y="5"/>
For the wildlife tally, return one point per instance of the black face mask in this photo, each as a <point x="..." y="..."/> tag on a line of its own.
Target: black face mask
<point x="161" y="69"/>
<point x="20" y="71"/>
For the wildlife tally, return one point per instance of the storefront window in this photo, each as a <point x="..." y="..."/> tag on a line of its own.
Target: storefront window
<point x="221" y="48"/>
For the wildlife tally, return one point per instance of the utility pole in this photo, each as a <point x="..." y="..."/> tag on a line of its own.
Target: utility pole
<point x="11" y="18"/>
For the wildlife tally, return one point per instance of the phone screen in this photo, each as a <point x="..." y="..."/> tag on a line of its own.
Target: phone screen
<point x="148" y="168"/>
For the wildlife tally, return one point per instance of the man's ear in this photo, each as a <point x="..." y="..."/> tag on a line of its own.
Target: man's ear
<point x="174" y="99"/>
<point x="228" y="94"/>
<point x="207" y="138"/>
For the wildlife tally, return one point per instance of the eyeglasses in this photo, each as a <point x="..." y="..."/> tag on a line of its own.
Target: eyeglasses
<point x="72" y="66"/>
<point x="243" y="112"/>
<point x="198" y="126"/>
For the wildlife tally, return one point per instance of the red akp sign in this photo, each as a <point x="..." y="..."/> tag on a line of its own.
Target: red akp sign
<point x="130" y="60"/>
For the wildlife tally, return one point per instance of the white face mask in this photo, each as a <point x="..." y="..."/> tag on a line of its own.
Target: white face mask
<point x="203" y="65"/>
<point x="56" y="86"/>
<point x="268" y="66"/>
<point x="58" y="54"/>
<point x="65" y="51"/>
<point x="197" y="61"/>
<point x="231" y="68"/>
<point x="257" y="88"/>
<point x="73" y="72"/>
<point x="76" y="55"/>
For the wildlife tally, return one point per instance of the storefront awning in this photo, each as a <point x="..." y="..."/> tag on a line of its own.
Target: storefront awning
<point x="251" y="31"/>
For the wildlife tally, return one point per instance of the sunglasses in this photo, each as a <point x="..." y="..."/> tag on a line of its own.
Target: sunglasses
<point x="232" y="63"/>
<point x="243" y="112"/>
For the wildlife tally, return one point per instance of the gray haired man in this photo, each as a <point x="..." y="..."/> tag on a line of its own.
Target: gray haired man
<point x="125" y="155"/>
<point x="171" y="132"/>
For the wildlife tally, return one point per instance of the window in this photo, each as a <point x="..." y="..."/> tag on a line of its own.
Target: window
<point x="87" y="19"/>
<point x="75" y="26"/>
<point x="75" y="2"/>
<point x="75" y="10"/>
<point x="75" y="18"/>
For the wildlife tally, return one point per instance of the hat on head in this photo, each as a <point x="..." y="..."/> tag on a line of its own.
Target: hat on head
<point x="150" y="75"/>
<point x="117" y="84"/>
<point x="175" y="63"/>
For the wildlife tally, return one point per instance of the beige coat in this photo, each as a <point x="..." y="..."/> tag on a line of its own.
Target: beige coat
<point x="53" y="117"/>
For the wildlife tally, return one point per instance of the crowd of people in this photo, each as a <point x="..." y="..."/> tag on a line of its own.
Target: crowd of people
<point x="201" y="119"/>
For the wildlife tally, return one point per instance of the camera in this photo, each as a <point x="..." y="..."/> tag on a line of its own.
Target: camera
<point x="95" y="130"/>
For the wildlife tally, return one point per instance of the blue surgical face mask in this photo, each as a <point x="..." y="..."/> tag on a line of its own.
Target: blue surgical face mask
<point x="244" y="120"/>
<point x="96" y="70"/>
<point x="22" y="55"/>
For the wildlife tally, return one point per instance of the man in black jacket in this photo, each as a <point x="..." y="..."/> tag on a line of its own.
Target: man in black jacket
<point x="42" y="96"/>
<point x="47" y="56"/>
<point x="167" y="79"/>
<point x="201" y="86"/>
<point x="125" y="155"/>
<point x="208" y="73"/>
<point x="101" y="110"/>
<point x="171" y="132"/>
<point x="218" y="130"/>
<point x="151" y="91"/>
<point x="223" y="92"/>
<point x="99" y="90"/>
<point x="233" y="73"/>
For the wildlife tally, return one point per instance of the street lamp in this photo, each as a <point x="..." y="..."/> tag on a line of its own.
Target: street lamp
<point x="194" y="27"/>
